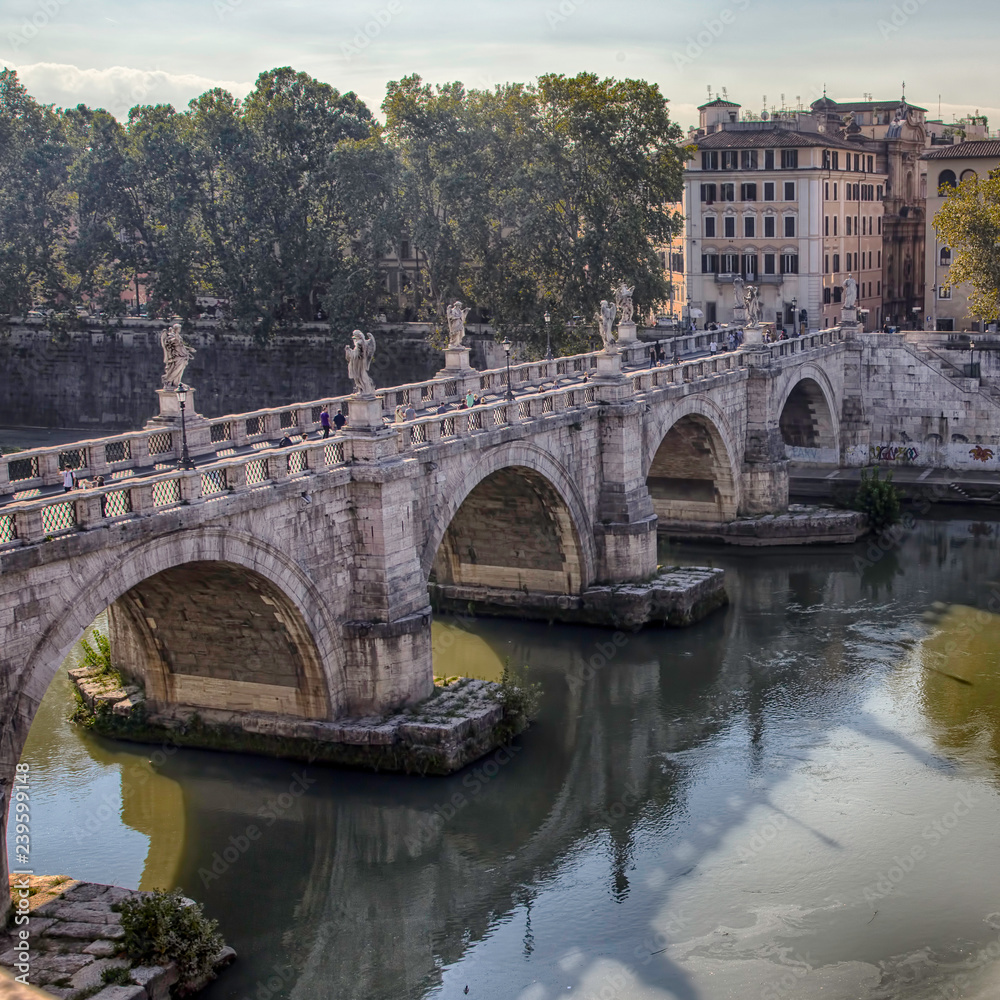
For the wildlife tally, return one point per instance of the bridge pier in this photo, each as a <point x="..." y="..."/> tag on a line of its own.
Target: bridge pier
<point x="625" y="531"/>
<point x="764" y="474"/>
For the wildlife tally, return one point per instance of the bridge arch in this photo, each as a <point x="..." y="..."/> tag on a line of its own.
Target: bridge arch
<point x="807" y="417"/>
<point x="276" y="598"/>
<point x="515" y="520"/>
<point x="692" y="463"/>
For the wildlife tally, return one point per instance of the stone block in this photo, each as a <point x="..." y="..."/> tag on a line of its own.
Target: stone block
<point x="156" y="980"/>
<point x="90" y="975"/>
<point x="121" y="993"/>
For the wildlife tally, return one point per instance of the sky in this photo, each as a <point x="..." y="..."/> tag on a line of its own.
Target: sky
<point x="118" y="53"/>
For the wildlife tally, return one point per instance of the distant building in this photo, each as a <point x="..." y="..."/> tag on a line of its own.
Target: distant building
<point x="948" y="308"/>
<point x="788" y="205"/>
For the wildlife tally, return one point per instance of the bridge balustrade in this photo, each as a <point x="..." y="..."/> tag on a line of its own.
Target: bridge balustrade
<point x="27" y="521"/>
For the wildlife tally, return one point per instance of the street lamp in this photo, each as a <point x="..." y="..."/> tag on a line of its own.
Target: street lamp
<point x="972" y="359"/>
<point x="185" y="462"/>
<point x="795" y="316"/>
<point x="548" y="338"/>
<point x="506" y="345"/>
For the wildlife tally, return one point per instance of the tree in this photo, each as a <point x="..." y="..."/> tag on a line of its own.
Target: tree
<point x="538" y="198"/>
<point x="34" y="215"/>
<point x="969" y="223"/>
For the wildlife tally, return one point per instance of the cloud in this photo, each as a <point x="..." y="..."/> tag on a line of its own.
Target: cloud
<point x="116" y="88"/>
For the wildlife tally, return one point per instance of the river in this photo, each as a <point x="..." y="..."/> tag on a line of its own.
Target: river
<point x="796" y="798"/>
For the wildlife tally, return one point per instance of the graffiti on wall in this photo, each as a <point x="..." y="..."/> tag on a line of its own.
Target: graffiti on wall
<point x="981" y="454"/>
<point x="892" y="453"/>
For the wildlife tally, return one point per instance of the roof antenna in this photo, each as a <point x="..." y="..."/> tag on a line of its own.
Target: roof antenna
<point x="725" y="94"/>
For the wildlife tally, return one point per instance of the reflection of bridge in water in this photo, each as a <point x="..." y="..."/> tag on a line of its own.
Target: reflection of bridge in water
<point x="294" y="580"/>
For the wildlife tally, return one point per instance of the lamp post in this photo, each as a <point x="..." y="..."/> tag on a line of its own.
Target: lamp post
<point x="506" y="345"/>
<point x="972" y="359"/>
<point x="795" y="315"/>
<point x="548" y="337"/>
<point x="185" y="462"/>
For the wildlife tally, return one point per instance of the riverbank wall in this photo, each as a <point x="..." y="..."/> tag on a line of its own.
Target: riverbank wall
<point x="67" y="940"/>
<point x="106" y="378"/>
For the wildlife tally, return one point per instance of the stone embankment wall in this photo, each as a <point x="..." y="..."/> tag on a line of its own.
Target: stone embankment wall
<point x="106" y="378"/>
<point x="905" y="406"/>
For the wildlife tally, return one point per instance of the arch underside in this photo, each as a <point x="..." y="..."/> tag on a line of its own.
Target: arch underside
<point x="213" y="635"/>
<point x="512" y="531"/>
<point x="807" y="425"/>
<point x="690" y="477"/>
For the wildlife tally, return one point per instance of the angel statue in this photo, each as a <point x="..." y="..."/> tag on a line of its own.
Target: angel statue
<point x="176" y="355"/>
<point x="753" y="305"/>
<point x="359" y="359"/>
<point x="456" y="323"/>
<point x="623" y="301"/>
<point x="850" y="292"/>
<point x="606" y="324"/>
<point x="739" y="292"/>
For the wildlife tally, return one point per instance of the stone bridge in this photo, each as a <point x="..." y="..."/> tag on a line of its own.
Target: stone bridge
<point x="295" y="580"/>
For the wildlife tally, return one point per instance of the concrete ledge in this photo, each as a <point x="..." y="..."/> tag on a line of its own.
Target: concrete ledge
<point x="457" y="724"/>
<point x="798" y="526"/>
<point x="679" y="597"/>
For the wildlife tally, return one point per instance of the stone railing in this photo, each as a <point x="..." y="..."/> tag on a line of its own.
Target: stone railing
<point x="28" y="521"/>
<point x="125" y="495"/>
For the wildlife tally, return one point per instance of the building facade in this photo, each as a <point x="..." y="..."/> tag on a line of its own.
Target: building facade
<point x="788" y="206"/>
<point x="947" y="308"/>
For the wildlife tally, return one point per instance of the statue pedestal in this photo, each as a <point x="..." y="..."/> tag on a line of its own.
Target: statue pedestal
<point x="609" y="367"/>
<point x="627" y="334"/>
<point x="364" y="413"/>
<point x="740" y="318"/>
<point x="753" y="335"/>
<point x="849" y="317"/>
<point x="170" y="408"/>
<point x="456" y="362"/>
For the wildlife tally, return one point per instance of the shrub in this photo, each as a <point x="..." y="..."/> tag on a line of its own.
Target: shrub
<point x="519" y="700"/>
<point x="162" y="927"/>
<point x="99" y="658"/>
<point x="878" y="499"/>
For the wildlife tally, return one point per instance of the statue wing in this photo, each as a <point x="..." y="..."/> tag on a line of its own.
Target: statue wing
<point x="370" y="345"/>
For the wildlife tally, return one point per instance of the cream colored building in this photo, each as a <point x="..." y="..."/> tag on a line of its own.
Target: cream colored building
<point x="948" y="308"/>
<point x="788" y="206"/>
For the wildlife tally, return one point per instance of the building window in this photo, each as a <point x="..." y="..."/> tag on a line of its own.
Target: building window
<point x="835" y="225"/>
<point x="748" y="192"/>
<point x="826" y="226"/>
<point x="836" y="263"/>
<point x="729" y="222"/>
<point x="709" y="263"/>
<point x="857" y="162"/>
<point x="871" y="165"/>
<point x="710" y="161"/>
<point x="708" y="194"/>
<point x="748" y="159"/>
<point x="944" y="292"/>
<point x="730" y="159"/>
<point x="730" y="263"/>
<point x="879" y="196"/>
<point x="836" y="166"/>
<point x="848" y="230"/>
<point x="789" y="263"/>
<point x="789" y="225"/>
<point x="790" y="187"/>
<point x="768" y="190"/>
<point x="789" y="159"/>
<point x="827" y="296"/>
<point x="677" y="262"/>
<point x="727" y="192"/>
<point x="769" y="232"/>
<point x="878" y="287"/>
<point x="826" y="159"/>
<point x="710" y="226"/>
<point x="749" y="226"/>
<point x="947" y="179"/>
<point x="835" y="186"/>
<point x="945" y="257"/>
<point x="826" y="264"/>
<point x="404" y="249"/>
<point x="837" y="293"/>
<point x="750" y="266"/>
<point x="880" y="225"/>
<point x="769" y="263"/>
<point x="769" y="159"/>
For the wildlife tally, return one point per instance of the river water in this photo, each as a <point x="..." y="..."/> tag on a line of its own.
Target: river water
<point x="796" y="798"/>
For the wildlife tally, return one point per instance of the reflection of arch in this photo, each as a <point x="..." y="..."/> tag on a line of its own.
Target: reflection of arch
<point x="514" y="520"/>
<point x="692" y="465"/>
<point x="947" y="179"/>
<point x="806" y="417"/>
<point x="123" y="573"/>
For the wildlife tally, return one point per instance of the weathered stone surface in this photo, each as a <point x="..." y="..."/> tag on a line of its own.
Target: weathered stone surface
<point x="90" y="975"/>
<point x="156" y="980"/>
<point x="101" y="948"/>
<point x="121" y="993"/>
